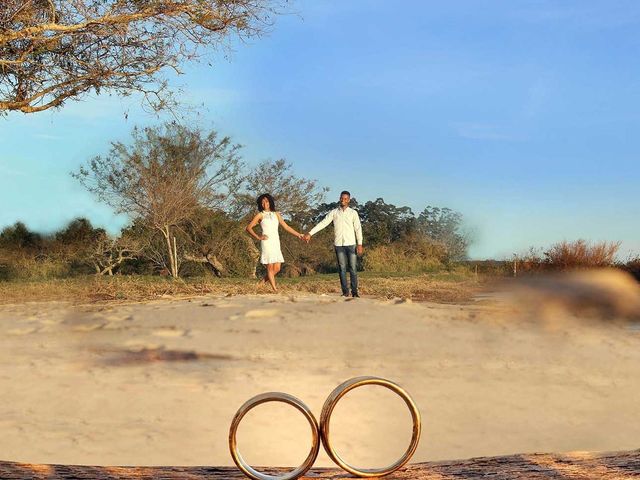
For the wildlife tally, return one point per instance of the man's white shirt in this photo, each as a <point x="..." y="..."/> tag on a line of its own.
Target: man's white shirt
<point x="346" y="226"/>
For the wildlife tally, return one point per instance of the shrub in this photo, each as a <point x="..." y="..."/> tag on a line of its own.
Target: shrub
<point x="489" y="268"/>
<point x="6" y="270"/>
<point x="24" y="267"/>
<point x="566" y="256"/>
<point x="633" y="266"/>
<point x="581" y="254"/>
<point x="533" y="260"/>
<point x="410" y="256"/>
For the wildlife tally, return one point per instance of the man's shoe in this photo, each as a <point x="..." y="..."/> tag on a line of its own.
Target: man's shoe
<point x="346" y="294"/>
<point x="355" y="295"/>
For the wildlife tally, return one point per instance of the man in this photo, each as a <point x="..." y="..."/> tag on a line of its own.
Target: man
<point x="348" y="241"/>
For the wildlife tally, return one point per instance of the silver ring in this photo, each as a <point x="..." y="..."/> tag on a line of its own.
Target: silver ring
<point x="247" y="469"/>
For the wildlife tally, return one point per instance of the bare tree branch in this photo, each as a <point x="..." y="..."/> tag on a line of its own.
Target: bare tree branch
<point x="55" y="50"/>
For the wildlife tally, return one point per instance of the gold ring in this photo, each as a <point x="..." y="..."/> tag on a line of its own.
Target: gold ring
<point x="339" y="392"/>
<point x="274" y="397"/>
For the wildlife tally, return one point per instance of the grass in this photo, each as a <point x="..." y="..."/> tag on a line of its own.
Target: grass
<point x="439" y="287"/>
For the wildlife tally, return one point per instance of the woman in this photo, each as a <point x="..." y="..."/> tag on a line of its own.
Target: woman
<point x="269" y="219"/>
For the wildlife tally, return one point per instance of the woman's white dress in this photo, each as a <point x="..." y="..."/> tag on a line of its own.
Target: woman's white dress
<point x="270" y="247"/>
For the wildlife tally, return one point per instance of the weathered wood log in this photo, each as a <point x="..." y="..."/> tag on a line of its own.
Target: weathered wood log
<point x="571" y="466"/>
<point x="208" y="259"/>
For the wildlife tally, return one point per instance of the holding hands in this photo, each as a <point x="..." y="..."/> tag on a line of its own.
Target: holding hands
<point x="304" y="237"/>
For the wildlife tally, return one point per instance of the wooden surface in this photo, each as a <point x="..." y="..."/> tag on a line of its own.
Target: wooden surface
<point x="583" y="466"/>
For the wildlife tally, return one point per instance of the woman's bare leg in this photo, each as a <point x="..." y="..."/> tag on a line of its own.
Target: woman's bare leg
<point x="272" y="276"/>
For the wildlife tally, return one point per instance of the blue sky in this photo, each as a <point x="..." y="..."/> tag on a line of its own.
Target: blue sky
<point x="522" y="115"/>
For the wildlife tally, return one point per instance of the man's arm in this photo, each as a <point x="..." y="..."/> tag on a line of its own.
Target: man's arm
<point x="323" y="224"/>
<point x="357" y="227"/>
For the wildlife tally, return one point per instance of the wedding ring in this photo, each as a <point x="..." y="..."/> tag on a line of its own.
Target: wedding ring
<point x="274" y="397"/>
<point x="325" y="417"/>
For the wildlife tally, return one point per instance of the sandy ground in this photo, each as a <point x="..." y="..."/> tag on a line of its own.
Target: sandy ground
<point x="157" y="383"/>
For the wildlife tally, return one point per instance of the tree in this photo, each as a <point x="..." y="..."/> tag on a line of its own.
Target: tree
<point x="293" y="195"/>
<point x="383" y="223"/>
<point x="219" y="254"/>
<point x="444" y="225"/>
<point x="108" y="253"/>
<point x="164" y="178"/>
<point x="55" y="50"/>
<point x="78" y="231"/>
<point x="75" y="243"/>
<point x="19" y="237"/>
<point x="316" y="214"/>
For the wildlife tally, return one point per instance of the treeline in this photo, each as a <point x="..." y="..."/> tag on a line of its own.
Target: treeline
<point x="212" y="242"/>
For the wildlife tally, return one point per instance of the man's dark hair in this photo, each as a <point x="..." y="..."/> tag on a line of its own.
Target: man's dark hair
<point x="272" y="203"/>
<point x="344" y="192"/>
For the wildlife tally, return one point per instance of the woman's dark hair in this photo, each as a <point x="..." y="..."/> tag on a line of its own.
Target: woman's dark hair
<point x="272" y="203"/>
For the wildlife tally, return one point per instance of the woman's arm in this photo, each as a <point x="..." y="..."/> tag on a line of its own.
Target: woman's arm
<point x="287" y="227"/>
<point x="252" y="224"/>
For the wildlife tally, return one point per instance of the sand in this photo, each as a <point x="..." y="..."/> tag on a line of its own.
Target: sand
<point x="157" y="383"/>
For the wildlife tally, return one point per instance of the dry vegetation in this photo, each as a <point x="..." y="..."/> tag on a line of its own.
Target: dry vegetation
<point x="633" y="266"/>
<point x="443" y="287"/>
<point x="578" y="254"/>
<point x="559" y="257"/>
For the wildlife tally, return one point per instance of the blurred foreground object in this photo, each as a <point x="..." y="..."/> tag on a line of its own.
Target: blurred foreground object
<point x="605" y="293"/>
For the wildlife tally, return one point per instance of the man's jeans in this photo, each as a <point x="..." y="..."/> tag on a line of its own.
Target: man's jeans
<point x="347" y="260"/>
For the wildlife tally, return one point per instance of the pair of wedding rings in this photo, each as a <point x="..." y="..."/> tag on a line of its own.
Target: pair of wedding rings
<point x="320" y="433"/>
